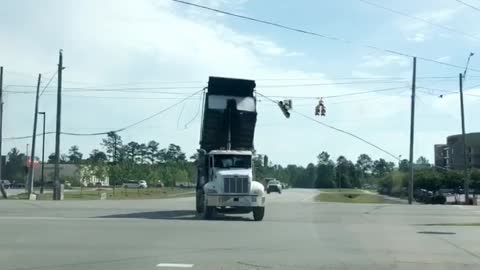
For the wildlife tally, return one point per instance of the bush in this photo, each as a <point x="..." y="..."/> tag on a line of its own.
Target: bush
<point x="393" y="184"/>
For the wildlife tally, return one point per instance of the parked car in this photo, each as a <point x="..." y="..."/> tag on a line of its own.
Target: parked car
<point x="135" y="184"/>
<point x="18" y="185"/>
<point x="6" y="183"/>
<point x="274" y="186"/>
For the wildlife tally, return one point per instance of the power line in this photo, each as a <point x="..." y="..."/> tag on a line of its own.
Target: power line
<point x="200" y="105"/>
<point x="160" y="112"/>
<point x="468" y="5"/>
<point x="449" y="91"/>
<point x="419" y="19"/>
<point x="339" y="95"/>
<point x="324" y="36"/>
<point x="337" y="129"/>
<point x="125" y="98"/>
<point x="49" y="81"/>
<point x="117" y="130"/>
<point x="362" y="80"/>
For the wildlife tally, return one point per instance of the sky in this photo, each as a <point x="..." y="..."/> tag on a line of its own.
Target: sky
<point x="152" y="54"/>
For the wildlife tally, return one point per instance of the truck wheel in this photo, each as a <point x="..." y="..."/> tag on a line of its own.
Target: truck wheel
<point x="209" y="212"/>
<point x="199" y="202"/>
<point x="258" y="213"/>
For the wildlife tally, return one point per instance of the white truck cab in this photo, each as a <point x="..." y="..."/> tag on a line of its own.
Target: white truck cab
<point x="230" y="187"/>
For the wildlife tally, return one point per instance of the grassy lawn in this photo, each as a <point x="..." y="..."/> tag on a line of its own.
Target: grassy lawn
<point x="120" y="194"/>
<point x="343" y="190"/>
<point x="353" y="196"/>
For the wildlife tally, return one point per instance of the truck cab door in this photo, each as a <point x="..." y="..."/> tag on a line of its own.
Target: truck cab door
<point x="210" y="168"/>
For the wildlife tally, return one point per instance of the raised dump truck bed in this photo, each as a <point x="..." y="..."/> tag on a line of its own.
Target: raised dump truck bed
<point x="229" y="115"/>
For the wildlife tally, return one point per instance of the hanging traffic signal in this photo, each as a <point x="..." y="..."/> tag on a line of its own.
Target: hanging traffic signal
<point x="320" y="109"/>
<point x="285" y="106"/>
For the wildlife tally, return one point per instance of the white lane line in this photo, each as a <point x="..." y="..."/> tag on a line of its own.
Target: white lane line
<point x="178" y="265"/>
<point x="309" y="198"/>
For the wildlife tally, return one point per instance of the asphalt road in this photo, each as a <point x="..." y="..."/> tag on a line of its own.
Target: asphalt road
<point x="296" y="233"/>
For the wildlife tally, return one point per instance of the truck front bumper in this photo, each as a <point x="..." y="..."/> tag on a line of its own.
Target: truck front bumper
<point x="232" y="200"/>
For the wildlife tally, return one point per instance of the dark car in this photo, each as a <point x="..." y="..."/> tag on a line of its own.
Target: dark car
<point x="5" y="183"/>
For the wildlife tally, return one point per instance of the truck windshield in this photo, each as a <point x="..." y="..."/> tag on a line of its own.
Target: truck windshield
<point x="233" y="161"/>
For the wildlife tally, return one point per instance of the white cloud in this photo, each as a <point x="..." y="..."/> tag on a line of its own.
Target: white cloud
<point x="150" y="40"/>
<point x="381" y="61"/>
<point x="418" y="37"/>
<point x="445" y="59"/>
<point x="418" y="31"/>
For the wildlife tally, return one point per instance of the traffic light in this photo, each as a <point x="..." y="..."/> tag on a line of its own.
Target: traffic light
<point x="320" y="109"/>
<point x="285" y="106"/>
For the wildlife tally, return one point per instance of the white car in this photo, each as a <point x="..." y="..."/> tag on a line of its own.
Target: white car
<point x="274" y="186"/>
<point x="135" y="184"/>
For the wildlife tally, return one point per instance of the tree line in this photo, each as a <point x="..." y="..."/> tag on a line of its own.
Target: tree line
<point x="327" y="173"/>
<point x="119" y="161"/>
<point x="148" y="161"/>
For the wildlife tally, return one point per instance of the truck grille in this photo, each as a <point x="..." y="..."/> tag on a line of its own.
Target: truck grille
<point x="235" y="184"/>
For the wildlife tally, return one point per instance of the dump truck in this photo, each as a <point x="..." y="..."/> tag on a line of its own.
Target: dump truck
<point x="225" y="175"/>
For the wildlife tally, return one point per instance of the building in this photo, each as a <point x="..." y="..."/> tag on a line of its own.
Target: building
<point x="440" y="155"/>
<point x="450" y="155"/>
<point x="74" y="173"/>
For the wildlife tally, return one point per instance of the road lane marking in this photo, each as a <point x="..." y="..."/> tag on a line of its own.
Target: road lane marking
<point x="310" y="197"/>
<point x="178" y="265"/>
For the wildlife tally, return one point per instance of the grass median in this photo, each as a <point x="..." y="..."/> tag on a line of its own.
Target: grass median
<point x="117" y="194"/>
<point x="349" y="196"/>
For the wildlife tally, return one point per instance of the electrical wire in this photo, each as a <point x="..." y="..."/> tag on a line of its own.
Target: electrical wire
<point x="48" y="83"/>
<point x="200" y="105"/>
<point x="468" y="5"/>
<point x="420" y="19"/>
<point x="340" y="95"/>
<point x="160" y="112"/>
<point x="324" y="36"/>
<point x="449" y="91"/>
<point x="337" y="129"/>
<point x="117" y="130"/>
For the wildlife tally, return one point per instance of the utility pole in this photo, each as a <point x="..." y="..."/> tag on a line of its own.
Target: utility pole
<point x="412" y="126"/>
<point x="1" y="121"/>
<point x="26" y="166"/>
<point x="115" y="149"/>
<point x="2" y="189"/>
<point x="42" y="179"/>
<point x="34" y="138"/>
<point x="56" y="186"/>
<point x="465" y="161"/>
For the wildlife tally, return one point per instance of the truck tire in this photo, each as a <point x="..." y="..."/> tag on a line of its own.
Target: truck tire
<point x="209" y="212"/>
<point x="199" y="202"/>
<point x="258" y="213"/>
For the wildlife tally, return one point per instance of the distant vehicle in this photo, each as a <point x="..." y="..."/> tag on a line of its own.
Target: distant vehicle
<point x="98" y="184"/>
<point x="274" y="186"/>
<point x="268" y="179"/>
<point x="6" y="183"/>
<point x="18" y="185"/>
<point x="135" y="184"/>
<point x="160" y="184"/>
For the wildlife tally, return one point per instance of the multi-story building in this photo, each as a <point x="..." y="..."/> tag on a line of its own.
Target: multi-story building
<point x="450" y="155"/>
<point x="441" y="155"/>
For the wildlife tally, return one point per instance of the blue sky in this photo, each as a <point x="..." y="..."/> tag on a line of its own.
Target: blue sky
<point x="121" y="44"/>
